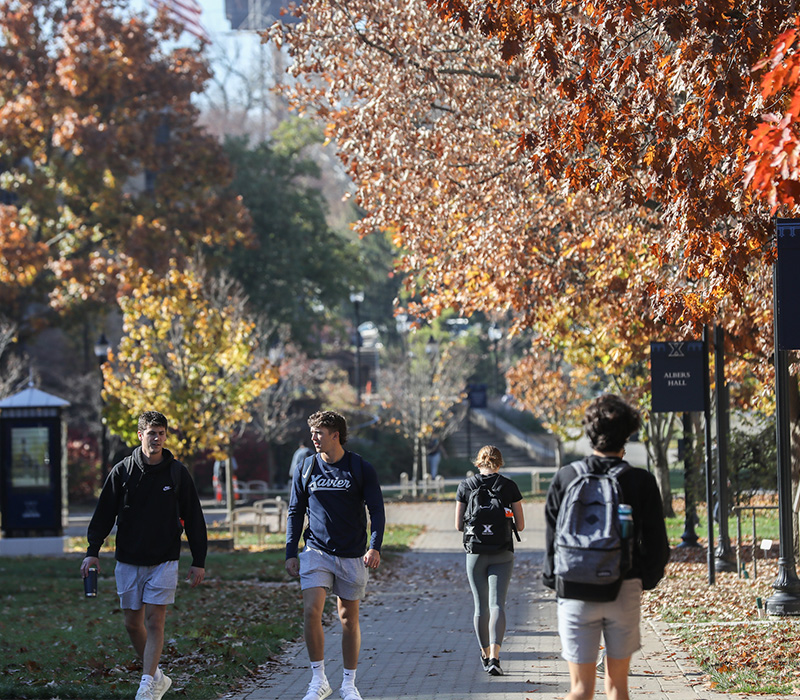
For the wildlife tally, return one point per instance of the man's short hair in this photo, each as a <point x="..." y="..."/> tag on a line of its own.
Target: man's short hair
<point x="335" y="422"/>
<point x="149" y="418"/>
<point x="609" y="421"/>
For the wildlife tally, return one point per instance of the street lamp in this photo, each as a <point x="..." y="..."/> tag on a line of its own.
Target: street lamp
<point x="494" y="336"/>
<point x="432" y="351"/>
<point x="356" y="298"/>
<point x="101" y="349"/>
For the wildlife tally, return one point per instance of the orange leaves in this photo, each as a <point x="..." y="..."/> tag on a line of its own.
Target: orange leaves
<point x="21" y="259"/>
<point x="597" y="171"/>
<point x="773" y="169"/>
<point x="95" y="111"/>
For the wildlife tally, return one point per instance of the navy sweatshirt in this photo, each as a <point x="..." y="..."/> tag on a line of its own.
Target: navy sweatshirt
<point x="147" y="516"/>
<point x="334" y="503"/>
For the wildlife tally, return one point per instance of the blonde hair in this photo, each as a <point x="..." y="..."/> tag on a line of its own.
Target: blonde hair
<point x="489" y="457"/>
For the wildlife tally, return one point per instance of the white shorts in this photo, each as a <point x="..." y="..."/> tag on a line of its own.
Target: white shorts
<point x="580" y="623"/>
<point x="137" y="585"/>
<point x="345" y="576"/>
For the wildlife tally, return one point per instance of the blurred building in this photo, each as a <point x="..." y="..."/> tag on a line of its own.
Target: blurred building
<point x="256" y="15"/>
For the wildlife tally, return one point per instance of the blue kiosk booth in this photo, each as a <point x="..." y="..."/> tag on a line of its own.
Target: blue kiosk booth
<point x="33" y="474"/>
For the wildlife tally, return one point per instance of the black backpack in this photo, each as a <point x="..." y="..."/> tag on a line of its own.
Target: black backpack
<point x="488" y="524"/>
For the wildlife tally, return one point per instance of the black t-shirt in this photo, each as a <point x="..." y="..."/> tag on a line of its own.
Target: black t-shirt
<point x="508" y="490"/>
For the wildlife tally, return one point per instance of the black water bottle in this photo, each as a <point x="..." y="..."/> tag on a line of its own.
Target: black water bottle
<point x="90" y="583"/>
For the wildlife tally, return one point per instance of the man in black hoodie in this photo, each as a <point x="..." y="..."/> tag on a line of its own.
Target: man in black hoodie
<point x="586" y="610"/>
<point x="152" y="498"/>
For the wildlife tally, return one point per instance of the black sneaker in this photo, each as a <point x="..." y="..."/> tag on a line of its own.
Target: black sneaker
<point x="493" y="669"/>
<point x="485" y="662"/>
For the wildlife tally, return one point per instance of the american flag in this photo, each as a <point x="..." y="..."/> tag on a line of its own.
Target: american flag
<point x="188" y="13"/>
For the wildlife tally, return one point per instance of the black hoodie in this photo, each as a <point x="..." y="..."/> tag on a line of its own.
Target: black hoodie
<point x="148" y="513"/>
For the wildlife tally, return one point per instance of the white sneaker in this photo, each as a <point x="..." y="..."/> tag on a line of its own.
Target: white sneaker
<point x="161" y="686"/>
<point x="350" y="693"/>
<point x="601" y="664"/>
<point x="147" y="691"/>
<point x="317" y="690"/>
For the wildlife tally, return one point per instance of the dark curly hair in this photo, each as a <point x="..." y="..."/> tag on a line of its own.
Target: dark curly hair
<point x="331" y="420"/>
<point x="609" y="421"/>
<point x="149" y="418"/>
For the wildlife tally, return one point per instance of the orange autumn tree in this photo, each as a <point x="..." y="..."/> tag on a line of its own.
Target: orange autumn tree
<point x="508" y="150"/>
<point x="104" y="166"/>
<point x="774" y="169"/>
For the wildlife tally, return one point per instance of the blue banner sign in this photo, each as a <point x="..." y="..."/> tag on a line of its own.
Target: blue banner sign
<point x="676" y="371"/>
<point x="787" y="284"/>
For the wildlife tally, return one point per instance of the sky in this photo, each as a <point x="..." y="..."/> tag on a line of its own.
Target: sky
<point x="213" y="19"/>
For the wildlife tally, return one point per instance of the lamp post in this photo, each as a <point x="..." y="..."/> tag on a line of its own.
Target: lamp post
<point x="432" y="353"/>
<point x="494" y="336"/>
<point x="101" y="348"/>
<point x="724" y="559"/>
<point x="357" y="298"/>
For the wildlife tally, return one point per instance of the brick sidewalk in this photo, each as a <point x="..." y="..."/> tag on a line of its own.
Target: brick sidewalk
<point x="418" y="641"/>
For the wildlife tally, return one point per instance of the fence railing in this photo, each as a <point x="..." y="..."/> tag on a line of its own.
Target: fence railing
<point x="739" y="510"/>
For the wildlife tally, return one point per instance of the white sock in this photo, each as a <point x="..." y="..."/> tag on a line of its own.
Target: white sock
<point x="348" y="677"/>
<point x="159" y="674"/>
<point x="318" y="669"/>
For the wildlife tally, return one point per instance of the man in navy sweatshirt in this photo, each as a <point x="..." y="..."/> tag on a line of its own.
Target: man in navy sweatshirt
<point x="332" y="487"/>
<point x="152" y="498"/>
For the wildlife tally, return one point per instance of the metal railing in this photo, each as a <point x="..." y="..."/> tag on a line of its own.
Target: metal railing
<point x="739" y="510"/>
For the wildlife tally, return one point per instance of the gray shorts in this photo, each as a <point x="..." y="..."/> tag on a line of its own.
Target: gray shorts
<point x="137" y="585"/>
<point x="345" y="576"/>
<point x="581" y="622"/>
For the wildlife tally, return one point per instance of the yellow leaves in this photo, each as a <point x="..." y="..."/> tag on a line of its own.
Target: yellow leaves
<point x="190" y="349"/>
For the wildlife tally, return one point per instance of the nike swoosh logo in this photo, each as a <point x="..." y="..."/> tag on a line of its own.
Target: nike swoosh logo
<point x="307" y="472"/>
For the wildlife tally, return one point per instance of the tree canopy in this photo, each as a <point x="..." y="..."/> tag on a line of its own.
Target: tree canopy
<point x="298" y="266"/>
<point x="104" y="169"/>
<point x="190" y="349"/>
<point x="547" y="158"/>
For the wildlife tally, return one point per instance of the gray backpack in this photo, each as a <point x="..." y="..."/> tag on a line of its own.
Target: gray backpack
<point x="589" y="548"/>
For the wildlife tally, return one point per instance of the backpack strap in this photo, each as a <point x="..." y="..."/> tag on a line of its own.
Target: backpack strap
<point x="305" y="471"/>
<point x="581" y="467"/>
<point x="175" y="472"/>
<point x="357" y="470"/>
<point x="126" y="475"/>
<point x="619" y="469"/>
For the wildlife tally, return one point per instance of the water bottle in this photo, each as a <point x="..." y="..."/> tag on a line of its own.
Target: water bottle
<point x="90" y="583"/>
<point x="625" y="520"/>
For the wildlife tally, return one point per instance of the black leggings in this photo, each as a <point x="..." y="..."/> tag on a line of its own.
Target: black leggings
<point x="489" y="576"/>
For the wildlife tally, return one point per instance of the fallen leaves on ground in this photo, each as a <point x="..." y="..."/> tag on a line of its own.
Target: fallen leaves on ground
<point x="720" y="626"/>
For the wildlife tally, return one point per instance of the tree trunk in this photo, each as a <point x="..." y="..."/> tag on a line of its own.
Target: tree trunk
<point x="659" y="433"/>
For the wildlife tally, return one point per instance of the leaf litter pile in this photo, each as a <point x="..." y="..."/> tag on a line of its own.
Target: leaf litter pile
<point x="720" y="625"/>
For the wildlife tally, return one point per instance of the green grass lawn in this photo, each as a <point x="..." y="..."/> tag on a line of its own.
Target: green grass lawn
<point x="55" y="643"/>
<point x="767" y="526"/>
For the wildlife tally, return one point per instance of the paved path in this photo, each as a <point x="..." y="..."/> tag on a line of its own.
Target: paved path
<point x="418" y="641"/>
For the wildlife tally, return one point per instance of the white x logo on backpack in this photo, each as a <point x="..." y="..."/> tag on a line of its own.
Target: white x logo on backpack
<point x="487" y="529"/>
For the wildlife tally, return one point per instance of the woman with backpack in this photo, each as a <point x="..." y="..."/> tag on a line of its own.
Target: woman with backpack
<point x="488" y="510"/>
<point x="598" y="595"/>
